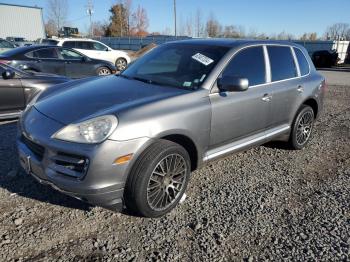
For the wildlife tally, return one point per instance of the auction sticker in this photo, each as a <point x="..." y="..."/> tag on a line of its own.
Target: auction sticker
<point x="202" y="59"/>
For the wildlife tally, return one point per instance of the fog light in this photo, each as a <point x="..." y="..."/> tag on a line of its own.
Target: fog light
<point x="122" y="159"/>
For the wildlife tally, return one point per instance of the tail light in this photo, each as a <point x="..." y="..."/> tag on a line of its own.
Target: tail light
<point x="5" y="62"/>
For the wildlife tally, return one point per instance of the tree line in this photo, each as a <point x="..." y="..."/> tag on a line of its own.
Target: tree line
<point x="125" y="20"/>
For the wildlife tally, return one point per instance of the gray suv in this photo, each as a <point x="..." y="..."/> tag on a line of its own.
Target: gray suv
<point x="130" y="141"/>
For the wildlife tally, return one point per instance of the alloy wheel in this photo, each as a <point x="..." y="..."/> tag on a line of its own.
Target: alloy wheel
<point x="304" y="128"/>
<point x="166" y="182"/>
<point x="104" y="72"/>
<point x="121" y="64"/>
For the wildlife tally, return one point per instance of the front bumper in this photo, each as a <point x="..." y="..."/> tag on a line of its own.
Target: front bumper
<point x="100" y="182"/>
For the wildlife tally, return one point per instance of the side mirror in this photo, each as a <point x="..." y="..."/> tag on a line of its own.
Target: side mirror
<point x="85" y="59"/>
<point x="232" y="84"/>
<point x="8" y="74"/>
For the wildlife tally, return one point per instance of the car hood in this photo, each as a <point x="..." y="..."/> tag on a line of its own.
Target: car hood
<point x="79" y="100"/>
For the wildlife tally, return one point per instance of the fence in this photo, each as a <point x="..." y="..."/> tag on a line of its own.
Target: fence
<point x="342" y="47"/>
<point x="136" y="43"/>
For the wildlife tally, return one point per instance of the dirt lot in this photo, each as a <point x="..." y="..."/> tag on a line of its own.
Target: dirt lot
<point x="266" y="203"/>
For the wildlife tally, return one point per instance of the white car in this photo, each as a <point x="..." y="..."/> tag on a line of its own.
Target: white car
<point x="97" y="50"/>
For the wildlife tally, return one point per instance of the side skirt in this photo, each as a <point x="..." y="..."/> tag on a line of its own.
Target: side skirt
<point x="247" y="142"/>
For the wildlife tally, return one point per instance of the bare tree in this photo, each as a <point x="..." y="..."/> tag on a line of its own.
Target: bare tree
<point x="230" y="31"/>
<point x="309" y="36"/>
<point x="338" y="31"/>
<point x="128" y="9"/>
<point x="198" y="24"/>
<point x="166" y="31"/>
<point x="140" y="22"/>
<point x="253" y="33"/>
<point x="50" y="28"/>
<point x="57" y="13"/>
<point x="284" y="36"/>
<point x="241" y="31"/>
<point x="98" y="28"/>
<point x="213" y="26"/>
<point x="181" y="26"/>
<point x="189" y="26"/>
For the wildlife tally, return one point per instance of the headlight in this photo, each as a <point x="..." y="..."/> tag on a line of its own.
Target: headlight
<point x="92" y="131"/>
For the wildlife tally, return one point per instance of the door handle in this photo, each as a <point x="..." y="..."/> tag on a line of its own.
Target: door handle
<point x="300" y="89"/>
<point x="266" y="98"/>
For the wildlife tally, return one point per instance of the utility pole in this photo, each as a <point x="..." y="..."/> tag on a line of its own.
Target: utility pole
<point x="90" y="11"/>
<point x="175" y="16"/>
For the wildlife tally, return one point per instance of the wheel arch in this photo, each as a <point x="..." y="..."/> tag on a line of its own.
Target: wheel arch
<point x="187" y="143"/>
<point x="312" y="102"/>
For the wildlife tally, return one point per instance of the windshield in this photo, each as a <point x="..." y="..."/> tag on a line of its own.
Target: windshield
<point x="177" y="65"/>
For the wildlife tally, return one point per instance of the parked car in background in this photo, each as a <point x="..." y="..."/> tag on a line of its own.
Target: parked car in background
<point x="19" y="41"/>
<point x="94" y="49"/>
<point x="18" y="87"/>
<point x="56" y="60"/>
<point x="324" y="58"/>
<point x="132" y="140"/>
<point x="5" y="45"/>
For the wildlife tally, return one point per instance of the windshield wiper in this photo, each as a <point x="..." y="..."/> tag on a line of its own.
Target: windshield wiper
<point x="144" y="80"/>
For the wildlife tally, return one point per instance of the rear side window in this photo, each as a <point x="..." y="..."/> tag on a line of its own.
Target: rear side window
<point x="70" y="54"/>
<point x="248" y="63"/>
<point x="84" y="45"/>
<point x="47" y="53"/>
<point x="282" y="63"/>
<point x="69" y="44"/>
<point x="303" y="64"/>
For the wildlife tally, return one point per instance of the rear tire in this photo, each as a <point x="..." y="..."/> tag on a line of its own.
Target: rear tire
<point x="158" y="179"/>
<point x="302" y="128"/>
<point x="104" y="71"/>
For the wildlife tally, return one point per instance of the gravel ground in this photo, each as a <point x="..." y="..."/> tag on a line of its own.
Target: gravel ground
<point x="267" y="203"/>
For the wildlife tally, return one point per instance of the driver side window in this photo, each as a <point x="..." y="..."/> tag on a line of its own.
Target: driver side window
<point x="248" y="63"/>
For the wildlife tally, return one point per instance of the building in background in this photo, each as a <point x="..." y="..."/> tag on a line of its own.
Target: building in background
<point x="21" y="21"/>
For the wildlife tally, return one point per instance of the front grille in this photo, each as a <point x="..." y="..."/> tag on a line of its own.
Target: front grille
<point x="37" y="149"/>
<point x="70" y="165"/>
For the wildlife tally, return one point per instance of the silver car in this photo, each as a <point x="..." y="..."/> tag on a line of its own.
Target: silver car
<point x="130" y="141"/>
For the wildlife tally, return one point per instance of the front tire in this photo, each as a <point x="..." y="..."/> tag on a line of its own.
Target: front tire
<point x="158" y="179"/>
<point x="121" y="64"/>
<point x="302" y="128"/>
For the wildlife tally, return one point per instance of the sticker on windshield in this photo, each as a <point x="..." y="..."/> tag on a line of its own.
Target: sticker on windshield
<point x="203" y="59"/>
